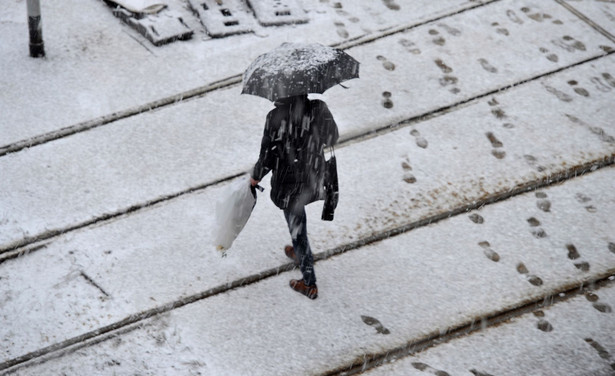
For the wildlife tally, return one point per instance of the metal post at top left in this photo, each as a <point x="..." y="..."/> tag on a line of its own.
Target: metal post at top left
<point x="37" y="48"/>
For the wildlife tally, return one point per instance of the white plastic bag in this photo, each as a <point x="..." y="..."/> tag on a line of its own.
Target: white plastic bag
<point x="233" y="211"/>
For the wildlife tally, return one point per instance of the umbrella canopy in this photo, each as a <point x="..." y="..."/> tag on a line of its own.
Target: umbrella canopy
<point x="296" y="69"/>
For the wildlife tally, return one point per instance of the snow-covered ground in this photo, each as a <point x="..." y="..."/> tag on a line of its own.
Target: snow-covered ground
<point x="462" y="106"/>
<point x="418" y="284"/>
<point x="571" y="336"/>
<point x="90" y="54"/>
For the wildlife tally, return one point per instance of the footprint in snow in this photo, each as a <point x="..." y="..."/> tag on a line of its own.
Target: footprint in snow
<point x="410" y="46"/>
<point x="497" y="146"/>
<point x="599" y="306"/>
<point x="538" y="232"/>
<point x="487" y="66"/>
<point x="579" y="90"/>
<point x="420" y="140"/>
<point x="427" y="368"/>
<point x="582" y="198"/>
<point x="447" y="80"/>
<point x="449" y="29"/>
<point x="609" y="79"/>
<point x="443" y="67"/>
<point x="391" y="4"/>
<point x="604" y="137"/>
<point x="532" y="161"/>
<point x="573" y="254"/>
<point x="538" y="16"/>
<point x="601" y="86"/>
<point x="499" y="29"/>
<point x="543" y="203"/>
<point x="602" y="352"/>
<point x="386" y="100"/>
<point x="498" y="112"/>
<point x="513" y="17"/>
<point x="438" y="39"/>
<point x="386" y="64"/>
<point x="376" y="324"/>
<point x="341" y="29"/>
<point x="408" y="177"/>
<point x="542" y="323"/>
<point x="478" y="373"/>
<point x="490" y="253"/>
<point x="531" y="278"/>
<point x="476" y="218"/>
<point x="569" y="44"/>
<point x="558" y="93"/>
<point x="550" y="56"/>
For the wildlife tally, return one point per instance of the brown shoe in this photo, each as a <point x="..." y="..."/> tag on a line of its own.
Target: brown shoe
<point x="300" y="286"/>
<point x="290" y="253"/>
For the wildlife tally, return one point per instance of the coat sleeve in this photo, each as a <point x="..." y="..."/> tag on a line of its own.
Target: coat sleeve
<point x="263" y="165"/>
<point x="326" y="122"/>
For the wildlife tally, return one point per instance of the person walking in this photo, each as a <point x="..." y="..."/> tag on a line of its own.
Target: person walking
<point x="297" y="131"/>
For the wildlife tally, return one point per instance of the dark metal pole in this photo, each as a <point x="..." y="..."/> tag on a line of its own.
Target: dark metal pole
<point x="37" y="48"/>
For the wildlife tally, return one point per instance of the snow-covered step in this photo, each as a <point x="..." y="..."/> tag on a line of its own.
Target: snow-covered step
<point x="174" y="149"/>
<point x="224" y="17"/>
<point x="89" y="43"/>
<point x="485" y="149"/>
<point x="437" y="64"/>
<point x="406" y="176"/>
<point x="601" y="13"/>
<point x="387" y="294"/>
<point x="570" y="338"/>
<point x="161" y="28"/>
<point x="159" y="22"/>
<point x="278" y="12"/>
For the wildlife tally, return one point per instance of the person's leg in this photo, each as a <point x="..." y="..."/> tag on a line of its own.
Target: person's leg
<point x="297" y="225"/>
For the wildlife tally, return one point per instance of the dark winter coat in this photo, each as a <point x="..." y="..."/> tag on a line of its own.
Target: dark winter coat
<point x="296" y="133"/>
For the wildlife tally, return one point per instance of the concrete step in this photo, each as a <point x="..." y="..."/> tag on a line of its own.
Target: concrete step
<point x="178" y="145"/>
<point x="456" y="171"/>
<point x="402" y="290"/>
<point x="81" y="37"/>
<point x="569" y="338"/>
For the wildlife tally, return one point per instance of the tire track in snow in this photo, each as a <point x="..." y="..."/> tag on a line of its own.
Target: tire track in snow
<point x="203" y="90"/>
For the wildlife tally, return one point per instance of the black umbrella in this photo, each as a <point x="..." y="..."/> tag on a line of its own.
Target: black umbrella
<point x="295" y="69"/>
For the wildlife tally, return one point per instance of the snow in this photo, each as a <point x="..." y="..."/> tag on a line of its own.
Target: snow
<point x="429" y="288"/>
<point x="277" y="12"/>
<point x="142" y="6"/>
<point x="307" y="57"/>
<point x="520" y="347"/>
<point x="91" y="54"/>
<point x="601" y="13"/>
<point x="369" y="213"/>
<point x="516" y="117"/>
<point x="121" y="171"/>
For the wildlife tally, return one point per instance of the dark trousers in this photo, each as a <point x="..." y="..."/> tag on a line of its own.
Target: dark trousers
<point x="297" y="225"/>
